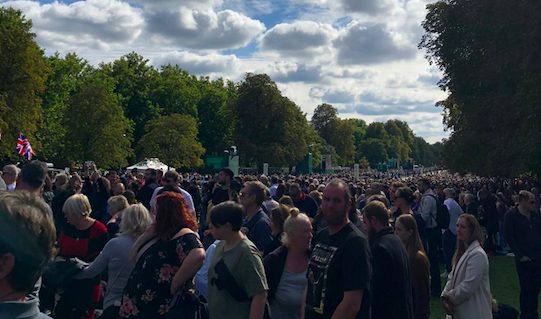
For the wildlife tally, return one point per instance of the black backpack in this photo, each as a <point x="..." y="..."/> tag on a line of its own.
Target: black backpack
<point x="442" y="215"/>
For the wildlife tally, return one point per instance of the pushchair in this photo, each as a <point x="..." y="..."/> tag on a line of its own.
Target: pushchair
<point x="64" y="297"/>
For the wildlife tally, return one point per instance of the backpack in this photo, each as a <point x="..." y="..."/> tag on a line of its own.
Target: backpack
<point x="442" y="215"/>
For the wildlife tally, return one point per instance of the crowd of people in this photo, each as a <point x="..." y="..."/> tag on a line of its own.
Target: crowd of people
<point x="156" y="244"/>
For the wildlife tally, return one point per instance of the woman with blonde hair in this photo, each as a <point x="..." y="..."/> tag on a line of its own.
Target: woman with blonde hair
<point x="115" y="206"/>
<point x="467" y="292"/>
<point x="82" y="237"/>
<point x="115" y="257"/>
<point x="286" y="267"/>
<point x="406" y="230"/>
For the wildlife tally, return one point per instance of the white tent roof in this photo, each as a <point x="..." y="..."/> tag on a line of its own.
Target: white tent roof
<point x="149" y="163"/>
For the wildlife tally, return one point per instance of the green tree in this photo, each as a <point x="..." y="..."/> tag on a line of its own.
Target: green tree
<point x="215" y="125"/>
<point x="96" y="125"/>
<point x="376" y="130"/>
<point x="489" y="54"/>
<point x="359" y="130"/>
<point x="23" y="72"/>
<point x="336" y="132"/>
<point x="61" y="84"/>
<point x="173" y="139"/>
<point x="374" y="150"/>
<point x="269" y="127"/>
<point x="176" y="92"/>
<point x="324" y="120"/>
<point x="134" y="83"/>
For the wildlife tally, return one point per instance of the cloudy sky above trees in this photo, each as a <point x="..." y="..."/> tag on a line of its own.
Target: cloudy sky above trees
<point x="359" y="55"/>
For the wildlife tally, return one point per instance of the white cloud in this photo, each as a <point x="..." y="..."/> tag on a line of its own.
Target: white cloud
<point x="373" y="44"/>
<point x="100" y="24"/>
<point x="201" y="29"/>
<point x="300" y="38"/>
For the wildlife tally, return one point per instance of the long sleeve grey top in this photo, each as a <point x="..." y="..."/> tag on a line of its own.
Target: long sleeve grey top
<point x="428" y="209"/>
<point x="115" y="256"/>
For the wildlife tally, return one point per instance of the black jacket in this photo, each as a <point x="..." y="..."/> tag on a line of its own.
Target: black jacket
<point x="390" y="277"/>
<point x="275" y="263"/>
<point x="523" y="236"/>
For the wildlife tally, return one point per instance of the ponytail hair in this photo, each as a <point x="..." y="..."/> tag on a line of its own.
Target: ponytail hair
<point x="290" y="225"/>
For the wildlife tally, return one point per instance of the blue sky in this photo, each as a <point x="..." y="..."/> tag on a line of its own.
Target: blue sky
<point x="359" y="55"/>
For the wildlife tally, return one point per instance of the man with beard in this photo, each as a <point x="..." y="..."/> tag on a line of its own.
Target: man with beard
<point x="221" y="189"/>
<point x="339" y="267"/>
<point x="390" y="277"/>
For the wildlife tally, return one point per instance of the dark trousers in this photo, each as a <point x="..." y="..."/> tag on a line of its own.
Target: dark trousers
<point x="449" y="245"/>
<point x="529" y="276"/>
<point x="432" y="244"/>
<point x="110" y="313"/>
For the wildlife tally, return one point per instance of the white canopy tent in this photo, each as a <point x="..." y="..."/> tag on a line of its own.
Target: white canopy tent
<point x="149" y="163"/>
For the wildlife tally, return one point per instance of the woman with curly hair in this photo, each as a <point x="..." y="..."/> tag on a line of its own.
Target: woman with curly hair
<point x="168" y="255"/>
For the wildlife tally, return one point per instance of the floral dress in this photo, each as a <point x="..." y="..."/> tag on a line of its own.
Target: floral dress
<point x="148" y="291"/>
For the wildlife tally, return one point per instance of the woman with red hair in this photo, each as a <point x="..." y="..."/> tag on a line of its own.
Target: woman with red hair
<point x="168" y="255"/>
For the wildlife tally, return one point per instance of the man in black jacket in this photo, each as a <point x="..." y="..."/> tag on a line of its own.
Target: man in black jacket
<point x="522" y="227"/>
<point x="390" y="277"/>
<point x="145" y="194"/>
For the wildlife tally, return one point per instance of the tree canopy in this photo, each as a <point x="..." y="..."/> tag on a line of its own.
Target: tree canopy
<point x="489" y="54"/>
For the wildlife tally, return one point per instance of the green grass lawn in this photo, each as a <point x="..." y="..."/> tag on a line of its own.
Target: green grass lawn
<point x="503" y="284"/>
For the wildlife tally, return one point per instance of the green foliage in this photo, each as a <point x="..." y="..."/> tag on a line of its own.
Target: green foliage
<point x="23" y="72"/>
<point x="176" y="92"/>
<point x="61" y="84"/>
<point x="269" y="127"/>
<point x="374" y="151"/>
<point x="173" y="139"/>
<point x="215" y="124"/>
<point x="134" y="83"/>
<point x="96" y="125"/>
<point x="489" y="54"/>
<point x="336" y="132"/>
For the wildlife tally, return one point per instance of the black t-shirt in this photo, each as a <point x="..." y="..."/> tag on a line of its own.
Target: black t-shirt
<point x="339" y="263"/>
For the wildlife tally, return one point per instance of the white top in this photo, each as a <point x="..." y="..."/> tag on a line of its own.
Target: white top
<point x="185" y="194"/>
<point x="11" y="187"/>
<point x="468" y="285"/>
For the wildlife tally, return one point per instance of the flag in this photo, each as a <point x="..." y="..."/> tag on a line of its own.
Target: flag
<point x="23" y="147"/>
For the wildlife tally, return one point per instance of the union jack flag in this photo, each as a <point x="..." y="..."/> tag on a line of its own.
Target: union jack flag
<point x="23" y="147"/>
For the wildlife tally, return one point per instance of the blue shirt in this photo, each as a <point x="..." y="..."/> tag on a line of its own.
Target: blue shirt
<point x="259" y="231"/>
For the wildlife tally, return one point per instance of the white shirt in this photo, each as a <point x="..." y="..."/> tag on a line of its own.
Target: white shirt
<point x="11" y="187"/>
<point x="185" y="194"/>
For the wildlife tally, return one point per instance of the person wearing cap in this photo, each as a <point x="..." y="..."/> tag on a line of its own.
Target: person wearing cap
<point x="32" y="177"/>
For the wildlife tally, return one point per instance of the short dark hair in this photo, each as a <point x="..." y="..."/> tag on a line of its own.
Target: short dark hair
<point x="378" y="210"/>
<point x="229" y="172"/>
<point x="406" y="193"/>
<point x="26" y="231"/>
<point x="425" y="182"/>
<point x="227" y="212"/>
<point x="34" y="173"/>
<point x="337" y="182"/>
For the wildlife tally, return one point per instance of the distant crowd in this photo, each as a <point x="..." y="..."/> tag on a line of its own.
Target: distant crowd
<point x="154" y="244"/>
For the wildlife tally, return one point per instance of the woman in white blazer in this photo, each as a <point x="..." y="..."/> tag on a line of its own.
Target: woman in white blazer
<point x="467" y="292"/>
